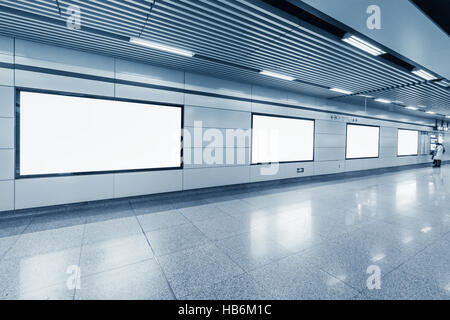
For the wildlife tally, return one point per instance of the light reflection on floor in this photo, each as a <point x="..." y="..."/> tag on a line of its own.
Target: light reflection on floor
<point x="311" y="240"/>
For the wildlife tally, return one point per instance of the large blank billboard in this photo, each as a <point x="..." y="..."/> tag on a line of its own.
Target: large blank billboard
<point x="281" y="139"/>
<point x="362" y="141"/>
<point x="408" y="142"/>
<point x="62" y="134"/>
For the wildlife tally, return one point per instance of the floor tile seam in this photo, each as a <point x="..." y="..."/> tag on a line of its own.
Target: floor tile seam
<point x="350" y="286"/>
<point x="213" y="242"/>
<point x="33" y="290"/>
<point x="168" y="227"/>
<point x="228" y="279"/>
<point x="193" y="221"/>
<point x="137" y="213"/>
<point x="157" y="260"/>
<point x="244" y="272"/>
<point x="16" y="240"/>
<point x="190" y="247"/>
<point x="113" y="269"/>
<point x="427" y="282"/>
<point x="318" y="266"/>
<point x="411" y="257"/>
<point x="79" y="257"/>
<point x="220" y="209"/>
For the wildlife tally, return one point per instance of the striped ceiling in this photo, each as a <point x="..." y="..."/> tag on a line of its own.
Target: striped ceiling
<point x="230" y="38"/>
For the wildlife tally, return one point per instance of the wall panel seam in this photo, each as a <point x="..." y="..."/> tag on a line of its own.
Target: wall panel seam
<point x="186" y="91"/>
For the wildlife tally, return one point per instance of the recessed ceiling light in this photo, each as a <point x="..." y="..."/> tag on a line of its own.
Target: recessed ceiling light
<point x="447" y="116"/>
<point x="411" y="108"/>
<point x="340" y="90"/>
<point x="423" y="74"/>
<point x="443" y="83"/>
<point x="431" y="112"/>
<point x="366" y="96"/>
<point x="363" y="45"/>
<point x="161" y="47"/>
<point x="398" y="102"/>
<point x="383" y="100"/>
<point x="276" y="75"/>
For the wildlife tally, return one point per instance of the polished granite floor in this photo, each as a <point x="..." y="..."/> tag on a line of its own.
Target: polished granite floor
<point x="313" y="240"/>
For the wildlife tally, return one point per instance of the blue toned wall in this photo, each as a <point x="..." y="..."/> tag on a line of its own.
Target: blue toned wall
<point x="217" y="103"/>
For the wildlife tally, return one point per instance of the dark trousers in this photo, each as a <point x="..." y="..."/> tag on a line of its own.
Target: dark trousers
<point x="437" y="163"/>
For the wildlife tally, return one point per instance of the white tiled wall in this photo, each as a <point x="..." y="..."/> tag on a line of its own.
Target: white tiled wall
<point x="148" y="94"/>
<point x="45" y="56"/>
<point x="6" y="56"/>
<point x="42" y="192"/>
<point x="6" y="133"/>
<point x="6" y="102"/>
<point x="213" y="177"/>
<point x="216" y="118"/>
<point x="7" y="125"/>
<point x="139" y="183"/>
<point x="202" y="83"/>
<point x="218" y="113"/>
<point x="201" y="174"/>
<point x="285" y="171"/>
<point x="144" y="73"/>
<point x="6" y="195"/>
<point x="329" y="167"/>
<point x="6" y="164"/>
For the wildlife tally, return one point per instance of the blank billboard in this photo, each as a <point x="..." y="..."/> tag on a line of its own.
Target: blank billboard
<point x="408" y="142"/>
<point x="62" y="134"/>
<point x="281" y="139"/>
<point x="362" y="141"/>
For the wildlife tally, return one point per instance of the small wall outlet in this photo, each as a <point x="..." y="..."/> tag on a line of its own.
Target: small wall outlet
<point x="300" y="170"/>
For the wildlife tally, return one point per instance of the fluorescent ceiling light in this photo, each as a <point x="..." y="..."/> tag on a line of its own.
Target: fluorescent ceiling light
<point x="443" y="83"/>
<point x="341" y="91"/>
<point x="423" y="74"/>
<point x="412" y="108"/>
<point x="431" y="112"/>
<point x="161" y="47"/>
<point x="447" y="116"/>
<point x="383" y="100"/>
<point x="398" y="102"/>
<point x="277" y="75"/>
<point x="363" y="45"/>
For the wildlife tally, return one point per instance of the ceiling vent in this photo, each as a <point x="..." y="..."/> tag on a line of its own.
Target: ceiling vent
<point x="393" y="59"/>
<point x="306" y="17"/>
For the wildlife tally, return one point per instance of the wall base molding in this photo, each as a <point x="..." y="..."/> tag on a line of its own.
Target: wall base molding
<point x="245" y="187"/>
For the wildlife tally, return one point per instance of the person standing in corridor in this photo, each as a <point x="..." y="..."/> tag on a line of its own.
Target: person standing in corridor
<point x="437" y="159"/>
